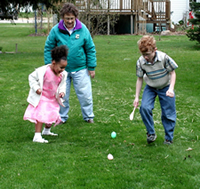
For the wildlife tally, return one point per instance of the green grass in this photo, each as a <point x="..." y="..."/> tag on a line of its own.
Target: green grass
<point x="77" y="158"/>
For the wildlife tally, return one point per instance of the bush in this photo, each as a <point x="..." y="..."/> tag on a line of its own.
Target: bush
<point x="194" y="34"/>
<point x="181" y="22"/>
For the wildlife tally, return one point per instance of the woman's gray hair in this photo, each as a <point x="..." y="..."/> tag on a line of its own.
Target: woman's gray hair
<point x="69" y="8"/>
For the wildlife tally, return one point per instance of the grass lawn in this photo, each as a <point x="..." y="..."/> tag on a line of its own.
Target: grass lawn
<point x="77" y="158"/>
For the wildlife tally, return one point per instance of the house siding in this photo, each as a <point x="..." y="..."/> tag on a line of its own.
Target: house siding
<point x="179" y="8"/>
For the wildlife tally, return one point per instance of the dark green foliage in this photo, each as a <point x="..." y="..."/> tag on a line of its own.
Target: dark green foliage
<point x="194" y="32"/>
<point x="8" y="5"/>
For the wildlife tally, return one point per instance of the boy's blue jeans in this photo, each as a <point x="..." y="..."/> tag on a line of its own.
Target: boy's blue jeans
<point x="82" y="86"/>
<point x="168" y="109"/>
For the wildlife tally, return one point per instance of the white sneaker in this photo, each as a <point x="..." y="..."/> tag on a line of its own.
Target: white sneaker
<point x="49" y="133"/>
<point x="40" y="140"/>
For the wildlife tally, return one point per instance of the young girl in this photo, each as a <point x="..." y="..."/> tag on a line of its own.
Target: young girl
<point x="47" y="85"/>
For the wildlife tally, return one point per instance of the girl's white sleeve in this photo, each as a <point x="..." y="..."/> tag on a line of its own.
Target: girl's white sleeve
<point x="34" y="81"/>
<point x="62" y="86"/>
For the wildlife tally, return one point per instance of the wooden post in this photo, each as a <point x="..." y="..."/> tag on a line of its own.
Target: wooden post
<point x="35" y="22"/>
<point x="108" y="25"/>
<point x="41" y="17"/>
<point x="88" y="10"/>
<point x="131" y="24"/>
<point x="121" y="7"/>
<point x="48" y="22"/>
<point x="132" y="10"/>
<point x="167" y="13"/>
<point x="133" y="5"/>
<point x="136" y="16"/>
<point x="16" y="48"/>
<point x="108" y="22"/>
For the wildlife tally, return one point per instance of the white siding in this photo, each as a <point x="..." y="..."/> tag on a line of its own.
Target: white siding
<point x="179" y="8"/>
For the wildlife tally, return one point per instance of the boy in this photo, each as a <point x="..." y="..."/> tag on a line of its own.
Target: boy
<point x="158" y="71"/>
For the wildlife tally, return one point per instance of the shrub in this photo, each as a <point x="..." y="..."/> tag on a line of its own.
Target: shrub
<point x="194" y="33"/>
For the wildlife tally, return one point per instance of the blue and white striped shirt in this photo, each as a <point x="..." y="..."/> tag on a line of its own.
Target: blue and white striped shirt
<point x="156" y="74"/>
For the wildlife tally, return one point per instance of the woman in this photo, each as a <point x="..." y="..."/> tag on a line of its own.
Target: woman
<point x="81" y="59"/>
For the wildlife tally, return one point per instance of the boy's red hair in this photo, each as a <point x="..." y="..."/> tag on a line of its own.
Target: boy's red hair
<point x="147" y="43"/>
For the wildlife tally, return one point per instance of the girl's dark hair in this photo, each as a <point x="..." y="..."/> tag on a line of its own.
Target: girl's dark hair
<point x="59" y="53"/>
<point x="69" y="8"/>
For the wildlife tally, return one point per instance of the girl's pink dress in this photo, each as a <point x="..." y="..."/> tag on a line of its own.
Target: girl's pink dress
<point x="48" y="108"/>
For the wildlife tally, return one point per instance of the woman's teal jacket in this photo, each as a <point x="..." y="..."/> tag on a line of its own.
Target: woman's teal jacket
<point x="81" y="49"/>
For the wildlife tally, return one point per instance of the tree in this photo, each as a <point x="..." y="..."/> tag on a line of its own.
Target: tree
<point x="194" y="33"/>
<point x="97" y="23"/>
<point x="8" y="6"/>
<point x="95" y="16"/>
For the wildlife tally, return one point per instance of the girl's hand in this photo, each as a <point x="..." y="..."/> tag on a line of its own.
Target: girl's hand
<point x="39" y="91"/>
<point x="61" y="95"/>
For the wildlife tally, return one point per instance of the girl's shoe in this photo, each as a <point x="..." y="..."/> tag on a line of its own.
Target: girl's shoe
<point x="40" y="140"/>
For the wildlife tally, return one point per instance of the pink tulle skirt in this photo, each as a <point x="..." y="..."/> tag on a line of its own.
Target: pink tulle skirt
<point x="46" y="112"/>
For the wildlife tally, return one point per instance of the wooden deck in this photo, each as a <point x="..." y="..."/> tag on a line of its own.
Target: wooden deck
<point x="141" y="11"/>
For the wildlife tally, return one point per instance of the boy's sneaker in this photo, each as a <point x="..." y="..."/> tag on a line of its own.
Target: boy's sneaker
<point x="151" y="138"/>
<point x="167" y="142"/>
<point x="40" y="140"/>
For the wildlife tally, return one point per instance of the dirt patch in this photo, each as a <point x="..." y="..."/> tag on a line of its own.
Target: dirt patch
<point x="38" y="34"/>
<point x="179" y="33"/>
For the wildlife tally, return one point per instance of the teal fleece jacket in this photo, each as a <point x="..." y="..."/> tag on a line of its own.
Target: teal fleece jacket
<point x="81" y="49"/>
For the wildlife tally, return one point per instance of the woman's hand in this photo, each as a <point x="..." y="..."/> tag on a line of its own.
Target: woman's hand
<point x="61" y="95"/>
